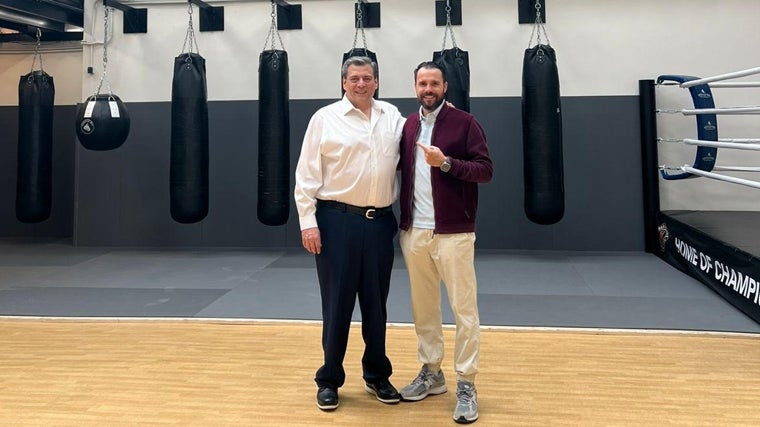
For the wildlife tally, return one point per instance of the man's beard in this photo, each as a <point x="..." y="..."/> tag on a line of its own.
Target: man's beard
<point x="436" y="103"/>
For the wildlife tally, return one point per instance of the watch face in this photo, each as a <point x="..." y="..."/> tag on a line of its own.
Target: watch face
<point x="445" y="166"/>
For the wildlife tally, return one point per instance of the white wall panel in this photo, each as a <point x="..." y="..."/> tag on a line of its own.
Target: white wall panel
<point x="603" y="48"/>
<point x="65" y="67"/>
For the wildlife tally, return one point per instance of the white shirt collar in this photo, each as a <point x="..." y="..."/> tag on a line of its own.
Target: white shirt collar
<point x="347" y="106"/>
<point x="431" y="115"/>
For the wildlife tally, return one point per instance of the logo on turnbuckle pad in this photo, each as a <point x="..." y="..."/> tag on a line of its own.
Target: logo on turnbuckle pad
<point x="663" y="235"/>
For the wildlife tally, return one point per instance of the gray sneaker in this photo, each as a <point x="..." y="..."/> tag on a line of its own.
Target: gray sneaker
<point x="425" y="384"/>
<point x="466" y="410"/>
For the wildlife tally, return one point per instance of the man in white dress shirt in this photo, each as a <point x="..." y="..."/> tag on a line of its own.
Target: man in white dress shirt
<point x="345" y="186"/>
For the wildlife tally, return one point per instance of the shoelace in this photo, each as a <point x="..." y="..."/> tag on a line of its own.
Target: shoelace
<point x="465" y="394"/>
<point x="421" y="377"/>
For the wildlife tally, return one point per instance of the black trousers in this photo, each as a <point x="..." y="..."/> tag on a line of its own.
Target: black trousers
<point x="356" y="260"/>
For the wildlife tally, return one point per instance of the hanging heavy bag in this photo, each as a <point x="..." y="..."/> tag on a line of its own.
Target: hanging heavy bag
<point x="359" y="51"/>
<point x="542" y="137"/>
<point x="102" y="123"/>
<point x="455" y="63"/>
<point x="188" y="173"/>
<point x="36" y="95"/>
<point x="274" y="138"/>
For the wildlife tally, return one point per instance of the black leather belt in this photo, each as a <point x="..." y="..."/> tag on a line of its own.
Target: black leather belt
<point x="368" y="212"/>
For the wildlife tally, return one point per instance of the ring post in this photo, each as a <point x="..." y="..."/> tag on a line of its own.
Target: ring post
<point x="649" y="164"/>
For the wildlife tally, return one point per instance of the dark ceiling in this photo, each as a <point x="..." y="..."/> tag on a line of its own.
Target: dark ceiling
<point x="52" y="17"/>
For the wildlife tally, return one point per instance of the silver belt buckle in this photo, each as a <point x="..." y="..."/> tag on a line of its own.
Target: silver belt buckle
<point x="369" y="214"/>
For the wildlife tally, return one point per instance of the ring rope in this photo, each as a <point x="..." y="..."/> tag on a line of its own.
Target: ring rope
<point x="707" y="127"/>
<point x="726" y="178"/>
<point x="751" y="109"/>
<point x="718" y="168"/>
<point x="735" y="84"/>
<point x="717" y="85"/>
<point x="706" y="117"/>
<point x="726" y="76"/>
<point x="721" y="143"/>
<point x="737" y="168"/>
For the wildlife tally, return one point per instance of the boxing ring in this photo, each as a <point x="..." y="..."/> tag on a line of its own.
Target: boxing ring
<point x="721" y="247"/>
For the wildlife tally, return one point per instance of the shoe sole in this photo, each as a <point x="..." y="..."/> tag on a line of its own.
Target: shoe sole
<point x="463" y="420"/>
<point x="370" y="390"/>
<point x="433" y="391"/>
<point x="327" y="407"/>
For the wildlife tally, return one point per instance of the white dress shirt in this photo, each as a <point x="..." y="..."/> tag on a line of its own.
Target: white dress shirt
<point x="348" y="158"/>
<point x="423" y="214"/>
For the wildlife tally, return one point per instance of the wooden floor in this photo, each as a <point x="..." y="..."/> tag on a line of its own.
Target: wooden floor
<point x="191" y="373"/>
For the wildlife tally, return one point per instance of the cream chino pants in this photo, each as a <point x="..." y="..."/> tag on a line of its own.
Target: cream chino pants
<point x="429" y="259"/>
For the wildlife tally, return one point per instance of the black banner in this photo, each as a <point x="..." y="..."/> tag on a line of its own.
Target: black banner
<point x="730" y="272"/>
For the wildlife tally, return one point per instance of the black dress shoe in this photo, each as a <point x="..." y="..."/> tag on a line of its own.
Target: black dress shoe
<point x="384" y="391"/>
<point x="327" y="398"/>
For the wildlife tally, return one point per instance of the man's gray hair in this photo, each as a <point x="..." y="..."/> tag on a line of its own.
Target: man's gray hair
<point x="358" y="61"/>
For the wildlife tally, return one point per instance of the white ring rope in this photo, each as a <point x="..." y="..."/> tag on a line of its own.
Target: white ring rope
<point x="726" y="178"/>
<point x="727" y="76"/>
<point x="752" y="109"/>
<point x="716" y="168"/>
<point x="737" y="143"/>
<point x="718" y="85"/>
<point x="737" y="168"/>
<point x="743" y="140"/>
<point x="750" y="140"/>
<point x="735" y="84"/>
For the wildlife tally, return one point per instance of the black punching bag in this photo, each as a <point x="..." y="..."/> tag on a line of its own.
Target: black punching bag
<point x="455" y="63"/>
<point x="361" y="51"/>
<point x="36" y="94"/>
<point x="102" y="122"/>
<point x="188" y="172"/>
<point x="542" y="137"/>
<point x="274" y="138"/>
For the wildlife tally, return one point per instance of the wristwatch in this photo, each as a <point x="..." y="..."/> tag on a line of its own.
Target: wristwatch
<point x="446" y="165"/>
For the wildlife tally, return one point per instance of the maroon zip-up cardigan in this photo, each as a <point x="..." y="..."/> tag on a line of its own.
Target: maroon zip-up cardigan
<point x="455" y="193"/>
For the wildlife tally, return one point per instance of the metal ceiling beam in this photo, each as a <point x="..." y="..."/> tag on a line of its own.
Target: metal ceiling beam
<point x="135" y="20"/>
<point x="47" y="12"/>
<point x="30" y="26"/>
<point x="75" y="5"/>
<point x="46" y="36"/>
<point x="211" y="17"/>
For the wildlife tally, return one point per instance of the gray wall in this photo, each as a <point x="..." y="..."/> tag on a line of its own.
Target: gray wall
<point x="121" y="197"/>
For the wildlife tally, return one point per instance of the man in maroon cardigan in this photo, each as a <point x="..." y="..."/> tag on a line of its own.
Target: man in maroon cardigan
<point x="444" y="156"/>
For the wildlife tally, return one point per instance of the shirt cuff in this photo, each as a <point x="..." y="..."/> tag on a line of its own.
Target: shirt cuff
<point x="307" y="222"/>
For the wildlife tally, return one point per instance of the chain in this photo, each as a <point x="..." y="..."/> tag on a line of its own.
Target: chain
<point x="104" y="76"/>
<point x="190" y="40"/>
<point x="360" y="24"/>
<point x="448" y="30"/>
<point x="273" y="31"/>
<point x="538" y="28"/>
<point x="37" y="53"/>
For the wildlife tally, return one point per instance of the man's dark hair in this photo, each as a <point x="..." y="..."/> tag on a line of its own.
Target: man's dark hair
<point x="430" y="65"/>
